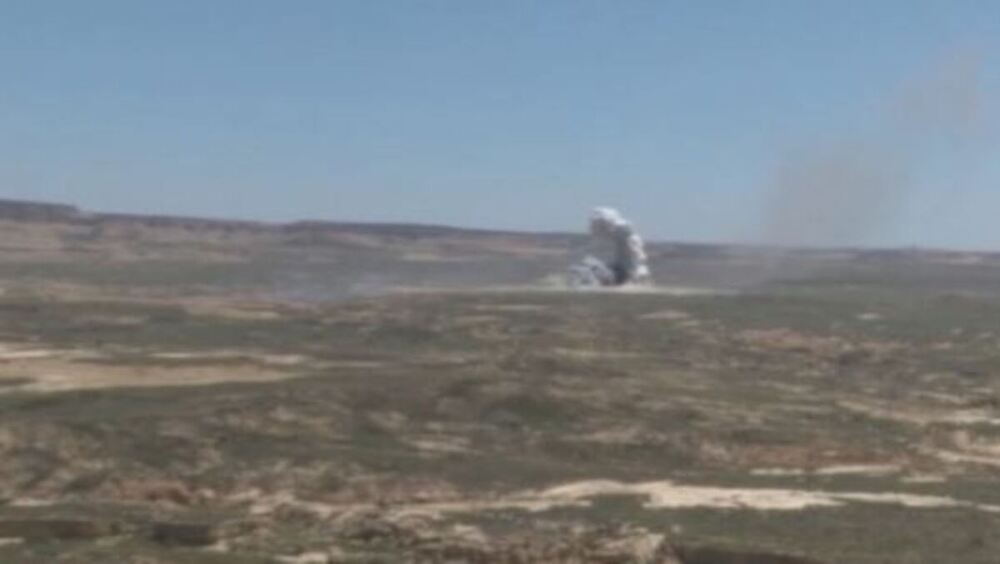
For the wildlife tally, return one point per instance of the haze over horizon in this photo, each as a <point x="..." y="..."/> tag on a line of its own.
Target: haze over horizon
<point x="823" y="123"/>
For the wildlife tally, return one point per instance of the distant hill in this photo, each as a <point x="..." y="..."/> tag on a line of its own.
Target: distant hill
<point x="37" y="211"/>
<point x="97" y="225"/>
<point x="25" y="210"/>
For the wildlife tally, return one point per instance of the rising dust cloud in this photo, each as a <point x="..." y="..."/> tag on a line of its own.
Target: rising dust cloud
<point x="854" y="189"/>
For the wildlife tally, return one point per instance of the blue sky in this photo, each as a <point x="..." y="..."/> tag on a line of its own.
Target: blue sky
<point x="502" y="114"/>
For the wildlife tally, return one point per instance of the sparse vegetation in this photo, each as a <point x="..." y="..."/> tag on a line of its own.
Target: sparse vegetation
<point x="187" y="422"/>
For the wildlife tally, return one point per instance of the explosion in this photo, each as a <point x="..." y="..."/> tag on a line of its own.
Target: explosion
<point x="617" y="255"/>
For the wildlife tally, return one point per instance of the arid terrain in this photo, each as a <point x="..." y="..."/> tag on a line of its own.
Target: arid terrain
<point x="199" y="391"/>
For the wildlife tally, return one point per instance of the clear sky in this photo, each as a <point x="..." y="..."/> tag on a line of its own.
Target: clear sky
<point x="507" y="114"/>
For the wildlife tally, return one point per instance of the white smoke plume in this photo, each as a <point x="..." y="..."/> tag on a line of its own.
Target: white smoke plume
<point x="618" y="253"/>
